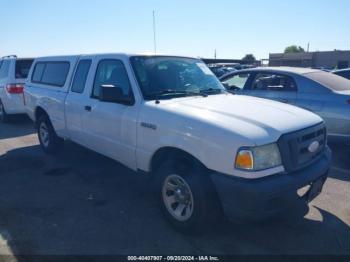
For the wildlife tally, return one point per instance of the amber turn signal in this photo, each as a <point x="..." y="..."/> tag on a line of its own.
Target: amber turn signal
<point x="244" y="160"/>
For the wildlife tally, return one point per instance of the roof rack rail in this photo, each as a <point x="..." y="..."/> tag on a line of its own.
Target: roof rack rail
<point x="9" y="56"/>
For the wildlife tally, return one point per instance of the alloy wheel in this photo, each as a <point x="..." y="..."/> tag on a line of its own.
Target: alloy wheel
<point x="177" y="197"/>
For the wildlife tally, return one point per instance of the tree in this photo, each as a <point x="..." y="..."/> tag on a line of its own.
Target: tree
<point x="249" y="59"/>
<point x="294" y="49"/>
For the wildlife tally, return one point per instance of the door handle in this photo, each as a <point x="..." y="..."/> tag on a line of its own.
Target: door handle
<point x="88" y="108"/>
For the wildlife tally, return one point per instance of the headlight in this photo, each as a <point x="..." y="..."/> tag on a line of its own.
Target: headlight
<point x="258" y="158"/>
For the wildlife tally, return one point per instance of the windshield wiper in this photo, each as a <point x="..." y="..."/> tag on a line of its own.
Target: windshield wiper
<point x="211" y="91"/>
<point x="172" y="92"/>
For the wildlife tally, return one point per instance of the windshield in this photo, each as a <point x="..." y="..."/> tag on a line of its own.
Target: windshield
<point x="163" y="77"/>
<point x="329" y="80"/>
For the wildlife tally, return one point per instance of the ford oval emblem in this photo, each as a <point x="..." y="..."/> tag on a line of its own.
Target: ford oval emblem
<point x="313" y="146"/>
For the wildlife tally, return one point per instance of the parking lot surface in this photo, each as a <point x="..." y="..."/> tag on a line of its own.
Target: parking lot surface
<point x="81" y="203"/>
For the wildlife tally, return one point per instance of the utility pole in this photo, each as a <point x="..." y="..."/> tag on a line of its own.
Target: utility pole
<point x="215" y="54"/>
<point x="154" y="33"/>
<point x="308" y="47"/>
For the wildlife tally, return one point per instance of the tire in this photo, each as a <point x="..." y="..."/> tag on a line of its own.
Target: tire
<point x="4" y="117"/>
<point x="188" y="199"/>
<point x="49" y="141"/>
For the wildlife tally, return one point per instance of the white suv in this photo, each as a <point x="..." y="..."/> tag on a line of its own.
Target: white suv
<point x="13" y="73"/>
<point x="170" y="117"/>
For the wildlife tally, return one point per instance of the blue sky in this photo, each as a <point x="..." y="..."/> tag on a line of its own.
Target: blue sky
<point x="196" y="28"/>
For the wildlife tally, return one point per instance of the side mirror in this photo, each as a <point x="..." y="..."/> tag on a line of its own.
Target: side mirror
<point x="227" y="87"/>
<point x="114" y="94"/>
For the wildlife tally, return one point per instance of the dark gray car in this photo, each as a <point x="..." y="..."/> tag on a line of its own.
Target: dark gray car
<point x="343" y="72"/>
<point x="325" y="94"/>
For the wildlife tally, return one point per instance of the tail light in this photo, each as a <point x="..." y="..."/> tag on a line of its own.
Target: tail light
<point x="15" y="88"/>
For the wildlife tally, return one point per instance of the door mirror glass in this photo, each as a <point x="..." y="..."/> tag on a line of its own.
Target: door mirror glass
<point x="226" y="85"/>
<point x="114" y="94"/>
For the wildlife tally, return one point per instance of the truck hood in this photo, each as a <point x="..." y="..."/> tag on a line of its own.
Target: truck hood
<point x="259" y="120"/>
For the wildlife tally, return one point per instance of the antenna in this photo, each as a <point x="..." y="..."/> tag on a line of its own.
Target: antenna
<point x="154" y="33"/>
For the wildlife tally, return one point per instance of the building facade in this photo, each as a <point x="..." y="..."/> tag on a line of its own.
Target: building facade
<point x="326" y="59"/>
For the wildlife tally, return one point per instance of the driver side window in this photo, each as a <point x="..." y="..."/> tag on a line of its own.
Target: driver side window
<point x="236" y="82"/>
<point x="111" y="72"/>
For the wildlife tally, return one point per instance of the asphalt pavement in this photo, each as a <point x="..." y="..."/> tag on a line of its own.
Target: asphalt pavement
<point x="81" y="203"/>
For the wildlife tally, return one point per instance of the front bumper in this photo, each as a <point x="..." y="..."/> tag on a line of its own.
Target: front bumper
<point x="261" y="198"/>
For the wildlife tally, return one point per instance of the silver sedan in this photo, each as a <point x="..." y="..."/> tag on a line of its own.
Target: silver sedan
<point x="323" y="93"/>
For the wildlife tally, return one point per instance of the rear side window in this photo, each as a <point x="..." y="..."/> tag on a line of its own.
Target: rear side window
<point x="38" y="72"/>
<point x="23" y="67"/>
<point x="4" y="70"/>
<point x="345" y="73"/>
<point x="273" y="82"/>
<point x="51" y="73"/>
<point x="329" y="80"/>
<point x="80" y="76"/>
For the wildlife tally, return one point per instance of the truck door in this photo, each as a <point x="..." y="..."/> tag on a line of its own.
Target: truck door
<point x="76" y="99"/>
<point x="110" y="127"/>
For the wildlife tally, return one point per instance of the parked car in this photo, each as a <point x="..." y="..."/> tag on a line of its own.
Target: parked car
<point x="343" y="72"/>
<point x="323" y="93"/>
<point x="13" y="73"/>
<point x="170" y="118"/>
<point x="325" y="69"/>
<point x="221" y="69"/>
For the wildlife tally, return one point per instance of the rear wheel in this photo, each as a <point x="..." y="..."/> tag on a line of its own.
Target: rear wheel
<point x="188" y="199"/>
<point x="4" y="117"/>
<point x="48" y="138"/>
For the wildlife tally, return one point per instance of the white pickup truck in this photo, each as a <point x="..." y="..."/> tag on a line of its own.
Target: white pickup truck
<point x="169" y="117"/>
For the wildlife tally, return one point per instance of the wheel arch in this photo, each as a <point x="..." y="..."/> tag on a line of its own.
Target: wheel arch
<point x="172" y="152"/>
<point x="39" y="111"/>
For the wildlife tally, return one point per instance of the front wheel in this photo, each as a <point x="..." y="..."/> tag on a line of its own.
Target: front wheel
<point x="177" y="197"/>
<point x="188" y="198"/>
<point x="49" y="141"/>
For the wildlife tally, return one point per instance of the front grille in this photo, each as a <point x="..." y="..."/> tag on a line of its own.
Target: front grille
<point x="295" y="146"/>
